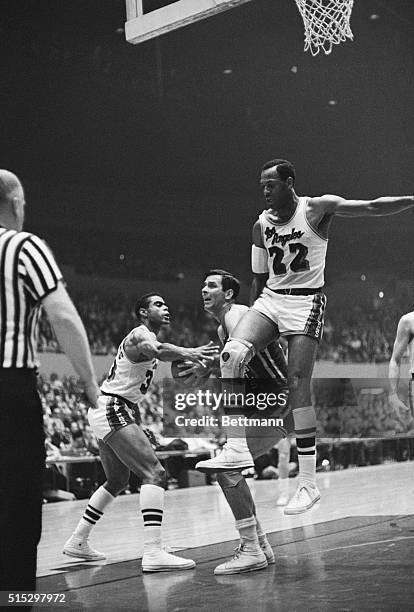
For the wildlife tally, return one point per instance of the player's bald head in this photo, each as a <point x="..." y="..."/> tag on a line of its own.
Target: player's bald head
<point x="9" y="185"/>
<point x="12" y="201"/>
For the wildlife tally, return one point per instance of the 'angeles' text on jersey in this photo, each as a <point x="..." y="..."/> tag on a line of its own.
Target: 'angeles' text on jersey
<point x="296" y="252"/>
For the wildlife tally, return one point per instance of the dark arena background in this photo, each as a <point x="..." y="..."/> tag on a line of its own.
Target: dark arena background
<point x="141" y="167"/>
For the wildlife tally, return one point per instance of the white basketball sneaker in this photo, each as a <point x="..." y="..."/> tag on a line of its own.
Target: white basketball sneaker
<point x="242" y="561"/>
<point x="162" y="561"/>
<point x="77" y="546"/>
<point x="304" y="499"/>
<point x="230" y="458"/>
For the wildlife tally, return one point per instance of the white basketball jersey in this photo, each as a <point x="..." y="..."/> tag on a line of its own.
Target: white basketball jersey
<point x="130" y="379"/>
<point x="296" y="252"/>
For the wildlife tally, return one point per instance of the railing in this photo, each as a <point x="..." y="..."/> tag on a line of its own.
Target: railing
<point x="333" y="454"/>
<point x="64" y="463"/>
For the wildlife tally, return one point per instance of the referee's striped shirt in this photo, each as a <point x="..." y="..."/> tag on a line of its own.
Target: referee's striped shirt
<point x="28" y="272"/>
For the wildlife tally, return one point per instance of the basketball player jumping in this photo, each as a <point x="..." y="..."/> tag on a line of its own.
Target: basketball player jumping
<point x="403" y="340"/>
<point x="123" y="444"/>
<point x="220" y="291"/>
<point x="290" y="240"/>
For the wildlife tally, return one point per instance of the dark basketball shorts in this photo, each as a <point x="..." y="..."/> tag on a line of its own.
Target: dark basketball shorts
<point x="261" y="438"/>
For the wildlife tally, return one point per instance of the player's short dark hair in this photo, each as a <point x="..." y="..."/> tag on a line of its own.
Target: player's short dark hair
<point x="285" y="168"/>
<point x="144" y="302"/>
<point x="228" y="281"/>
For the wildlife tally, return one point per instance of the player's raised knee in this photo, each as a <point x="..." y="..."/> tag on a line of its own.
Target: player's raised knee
<point x="229" y="479"/>
<point x="235" y="357"/>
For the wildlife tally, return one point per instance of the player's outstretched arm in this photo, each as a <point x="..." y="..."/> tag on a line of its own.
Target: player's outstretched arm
<point x="72" y="337"/>
<point x="171" y="352"/>
<point x="335" y="205"/>
<point x="139" y="344"/>
<point x="400" y="346"/>
<point x="200" y="369"/>
<point x="260" y="267"/>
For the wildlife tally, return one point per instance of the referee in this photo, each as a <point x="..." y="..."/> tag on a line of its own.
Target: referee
<point x="29" y="279"/>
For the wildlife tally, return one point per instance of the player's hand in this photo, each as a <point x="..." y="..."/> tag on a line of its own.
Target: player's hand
<point x="401" y="410"/>
<point x="192" y="371"/>
<point x="92" y="392"/>
<point x="206" y="352"/>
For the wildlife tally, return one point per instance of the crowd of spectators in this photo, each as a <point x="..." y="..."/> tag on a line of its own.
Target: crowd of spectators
<point x="355" y="427"/>
<point x="346" y="412"/>
<point x="361" y="333"/>
<point x="342" y="412"/>
<point x="350" y="424"/>
<point x="364" y="331"/>
<point x="67" y="430"/>
<point x="108" y="322"/>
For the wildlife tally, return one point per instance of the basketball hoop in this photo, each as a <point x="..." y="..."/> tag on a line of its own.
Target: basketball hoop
<point x="326" y="23"/>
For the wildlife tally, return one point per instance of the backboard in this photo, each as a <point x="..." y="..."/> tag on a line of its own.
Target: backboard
<point x="141" y="26"/>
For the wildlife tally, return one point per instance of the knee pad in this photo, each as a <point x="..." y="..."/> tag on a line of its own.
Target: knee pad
<point x="227" y="480"/>
<point x="234" y="358"/>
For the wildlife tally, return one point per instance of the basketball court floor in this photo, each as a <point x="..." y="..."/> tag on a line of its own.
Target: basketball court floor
<point x="353" y="551"/>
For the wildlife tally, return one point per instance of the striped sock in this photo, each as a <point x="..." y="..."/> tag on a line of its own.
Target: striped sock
<point x="305" y="432"/>
<point x="93" y="512"/>
<point x="307" y="459"/>
<point x="152" y="509"/>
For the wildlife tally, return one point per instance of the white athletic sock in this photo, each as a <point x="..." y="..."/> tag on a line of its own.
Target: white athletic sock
<point x="307" y="469"/>
<point x="93" y="512"/>
<point x="248" y="536"/>
<point x="305" y="431"/>
<point x="152" y="508"/>
<point x="259" y="529"/>
<point x="261" y="534"/>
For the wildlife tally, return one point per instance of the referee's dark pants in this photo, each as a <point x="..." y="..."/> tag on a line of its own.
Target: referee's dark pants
<point x="22" y="460"/>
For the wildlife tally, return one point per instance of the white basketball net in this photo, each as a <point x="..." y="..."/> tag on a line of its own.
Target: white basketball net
<point x="326" y="23"/>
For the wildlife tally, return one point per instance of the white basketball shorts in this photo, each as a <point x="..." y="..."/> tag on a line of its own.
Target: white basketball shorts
<point x="293" y="314"/>
<point x="112" y="413"/>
